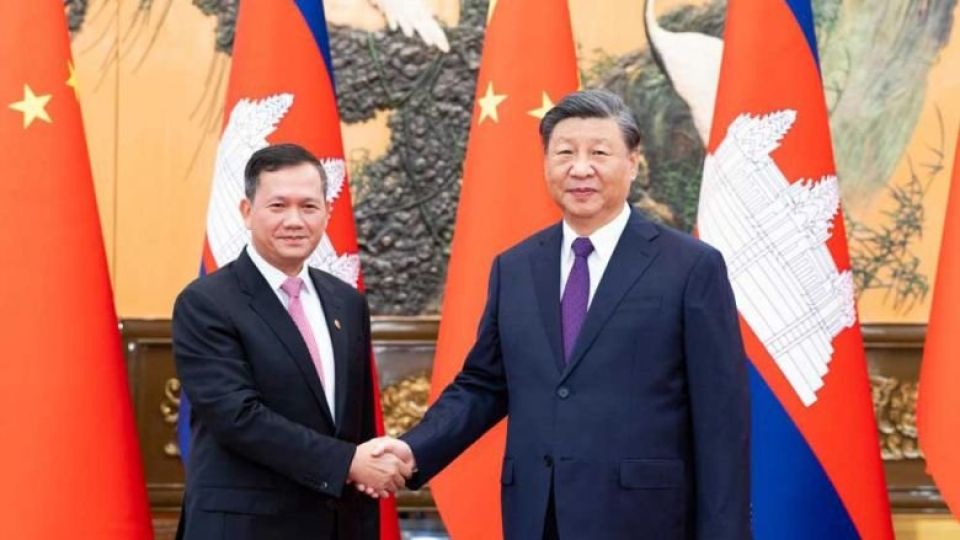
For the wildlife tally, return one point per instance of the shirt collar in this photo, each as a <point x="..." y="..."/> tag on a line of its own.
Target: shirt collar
<point x="604" y="239"/>
<point x="274" y="276"/>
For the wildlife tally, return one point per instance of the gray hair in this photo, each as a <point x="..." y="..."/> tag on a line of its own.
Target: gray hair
<point x="596" y="103"/>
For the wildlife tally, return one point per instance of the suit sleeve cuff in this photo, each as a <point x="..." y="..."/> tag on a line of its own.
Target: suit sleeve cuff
<point x="331" y="478"/>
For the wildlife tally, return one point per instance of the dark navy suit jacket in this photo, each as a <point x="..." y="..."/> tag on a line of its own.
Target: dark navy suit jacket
<point x="645" y="432"/>
<point x="267" y="460"/>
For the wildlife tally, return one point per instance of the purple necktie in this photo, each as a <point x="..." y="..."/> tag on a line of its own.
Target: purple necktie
<point x="576" y="295"/>
<point x="292" y="286"/>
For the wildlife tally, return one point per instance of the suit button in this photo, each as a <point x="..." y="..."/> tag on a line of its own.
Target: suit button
<point x="324" y="485"/>
<point x="548" y="460"/>
<point x="563" y="392"/>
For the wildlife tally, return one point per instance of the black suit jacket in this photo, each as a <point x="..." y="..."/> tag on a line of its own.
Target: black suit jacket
<point x="267" y="460"/>
<point x="645" y="432"/>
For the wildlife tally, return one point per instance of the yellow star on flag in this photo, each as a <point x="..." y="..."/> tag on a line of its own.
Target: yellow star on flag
<point x="32" y="106"/>
<point x="489" y="103"/>
<point x="72" y="81"/>
<point x="545" y="105"/>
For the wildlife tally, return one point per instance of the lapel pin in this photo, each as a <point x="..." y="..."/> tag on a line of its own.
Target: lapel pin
<point x="336" y="322"/>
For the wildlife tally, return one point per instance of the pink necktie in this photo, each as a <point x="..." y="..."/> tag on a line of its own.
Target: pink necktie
<point x="292" y="286"/>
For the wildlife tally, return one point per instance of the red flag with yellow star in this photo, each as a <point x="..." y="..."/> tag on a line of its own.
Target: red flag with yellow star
<point x="528" y="62"/>
<point x="69" y="463"/>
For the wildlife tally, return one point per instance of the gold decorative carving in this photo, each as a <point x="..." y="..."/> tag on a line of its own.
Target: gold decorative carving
<point x="404" y="403"/>
<point x="895" y="405"/>
<point x="170" y="409"/>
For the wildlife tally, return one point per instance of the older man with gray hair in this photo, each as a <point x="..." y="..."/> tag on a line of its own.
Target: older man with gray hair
<point x="613" y="345"/>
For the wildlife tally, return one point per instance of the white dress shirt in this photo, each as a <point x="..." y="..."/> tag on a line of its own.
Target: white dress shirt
<point x="604" y="241"/>
<point x="313" y="309"/>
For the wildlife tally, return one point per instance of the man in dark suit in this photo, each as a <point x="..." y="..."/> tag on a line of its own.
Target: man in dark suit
<point x="274" y="357"/>
<point x="613" y="345"/>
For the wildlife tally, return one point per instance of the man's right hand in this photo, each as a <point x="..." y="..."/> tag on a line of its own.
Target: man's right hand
<point x="376" y="472"/>
<point x="389" y="445"/>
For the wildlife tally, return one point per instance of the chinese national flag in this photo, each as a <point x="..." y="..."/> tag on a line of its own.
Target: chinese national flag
<point x="69" y="462"/>
<point x="528" y="63"/>
<point x="938" y="407"/>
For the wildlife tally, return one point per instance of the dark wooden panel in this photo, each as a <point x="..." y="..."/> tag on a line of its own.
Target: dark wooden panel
<point x="893" y="356"/>
<point x="404" y="348"/>
<point x="156" y="401"/>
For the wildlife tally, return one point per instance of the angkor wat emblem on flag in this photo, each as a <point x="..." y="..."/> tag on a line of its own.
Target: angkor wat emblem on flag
<point x="251" y="121"/>
<point x="773" y="235"/>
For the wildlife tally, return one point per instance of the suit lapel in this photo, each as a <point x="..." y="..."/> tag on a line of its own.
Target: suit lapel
<point x="545" y="265"/>
<point x="266" y="304"/>
<point x="631" y="257"/>
<point x="334" y="315"/>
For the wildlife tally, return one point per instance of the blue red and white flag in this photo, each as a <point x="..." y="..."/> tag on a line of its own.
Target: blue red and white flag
<point x="282" y="90"/>
<point x="771" y="203"/>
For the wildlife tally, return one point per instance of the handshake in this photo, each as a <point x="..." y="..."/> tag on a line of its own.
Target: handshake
<point x="381" y="466"/>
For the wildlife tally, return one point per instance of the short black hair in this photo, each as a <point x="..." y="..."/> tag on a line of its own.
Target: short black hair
<point x="276" y="157"/>
<point x="595" y="103"/>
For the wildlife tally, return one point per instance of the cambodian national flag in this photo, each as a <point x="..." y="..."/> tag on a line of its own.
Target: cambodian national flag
<point x="771" y="203"/>
<point x="282" y="90"/>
